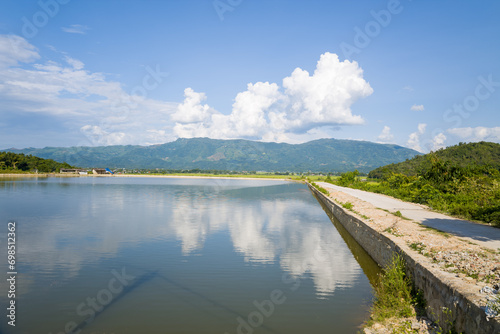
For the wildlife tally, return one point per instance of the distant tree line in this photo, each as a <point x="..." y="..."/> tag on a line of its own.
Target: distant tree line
<point x="18" y="162"/>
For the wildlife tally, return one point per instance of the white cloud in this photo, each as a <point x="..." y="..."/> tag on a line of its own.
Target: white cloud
<point x="327" y="95"/>
<point x="385" y="135"/>
<point x="414" y="138"/>
<point x="438" y="142"/>
<point x="76" y="29"/>
<point x="248" y="118"/>
<point x="101" y="137"/>
<point x="306" y="106"/>
<point x="105" y="113"/>
<point x="421" y="128"/>
<point x="15" y="50"/>
<point x="419" y="107"/>
<point x="264" y="112"/>
<point x="75" y="63"/>
<point x="476" y="134"/>
<point x="408" y="88"/>
<point x="191" y="110"/>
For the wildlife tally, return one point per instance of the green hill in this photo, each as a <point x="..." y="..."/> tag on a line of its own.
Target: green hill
<point x="18" y="162"/>
<point x="461" y="155"/>
<point x="324" y="155"/>
<point x="462" y="180"/>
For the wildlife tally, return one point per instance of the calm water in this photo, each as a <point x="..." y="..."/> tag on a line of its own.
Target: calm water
<point x="161" y="255"/>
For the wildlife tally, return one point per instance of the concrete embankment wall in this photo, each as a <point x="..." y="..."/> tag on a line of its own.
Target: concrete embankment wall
<point x="442" y="290"/>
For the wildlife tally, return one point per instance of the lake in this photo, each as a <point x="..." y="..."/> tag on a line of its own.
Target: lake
<point x="176" y="255"/>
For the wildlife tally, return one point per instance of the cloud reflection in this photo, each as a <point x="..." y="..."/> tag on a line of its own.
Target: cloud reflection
<point x="263" y="225"/>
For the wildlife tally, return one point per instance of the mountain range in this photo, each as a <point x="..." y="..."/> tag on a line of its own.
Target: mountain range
<point x="323" y="155"/>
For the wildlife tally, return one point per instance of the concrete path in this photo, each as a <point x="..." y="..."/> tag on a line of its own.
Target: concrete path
<point x="483" y="235"/>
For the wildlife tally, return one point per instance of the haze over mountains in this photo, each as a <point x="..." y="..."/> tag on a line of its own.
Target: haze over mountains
<point x="324" y="155"/>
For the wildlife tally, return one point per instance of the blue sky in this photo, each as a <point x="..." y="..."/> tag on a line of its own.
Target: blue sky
<point x="421" y="74"/>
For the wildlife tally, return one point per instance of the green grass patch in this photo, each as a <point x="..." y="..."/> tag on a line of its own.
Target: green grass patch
<point x="418" y="247"/>
<point x="321" y="189"/>
<point x="393" y="232"/>
<point x="347" y="205"/>
<point x="400" y="215"/>
<point x="396" y="213"/>
<point x="393" y="296"/>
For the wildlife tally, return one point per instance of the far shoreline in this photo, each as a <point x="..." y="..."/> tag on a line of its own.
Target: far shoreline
<point x="20" y="175"/>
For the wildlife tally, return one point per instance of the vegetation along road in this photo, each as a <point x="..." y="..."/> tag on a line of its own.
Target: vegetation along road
<point x="482" y="235"/>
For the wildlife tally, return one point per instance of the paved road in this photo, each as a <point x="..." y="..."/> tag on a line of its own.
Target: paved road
<point x="483" y="235"/>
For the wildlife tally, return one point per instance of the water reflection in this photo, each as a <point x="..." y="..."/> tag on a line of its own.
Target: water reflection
<point x="72" y="223"/>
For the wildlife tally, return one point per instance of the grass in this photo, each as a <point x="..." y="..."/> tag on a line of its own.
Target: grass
<point x="393" y="232"/>
<point x="347" y="205"/>
<point x="400" y="215"/>
<point x="397" y="213"/>
<point x="14" y="171"/>
<point x="471" y="192"/>
<point x="418" y="247"/>
<point x="435" y="230"/>
<point x="488" y="278"/>
<point x="448" y="325"/>
<point x="394" y="297"/>
<point x="322" y="190"/>
<point x="472" y="274"/>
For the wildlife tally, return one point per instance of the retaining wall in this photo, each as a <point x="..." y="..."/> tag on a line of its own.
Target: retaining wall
<point x="442" y="290"/>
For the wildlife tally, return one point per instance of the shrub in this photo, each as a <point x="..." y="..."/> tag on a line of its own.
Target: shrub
<point x="347" y="178"/>
<point x="321" y="189"/>
<point x="394" y="293"/>
<point x="347" y="205"/>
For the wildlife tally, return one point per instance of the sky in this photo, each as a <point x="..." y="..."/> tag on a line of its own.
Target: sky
<point x="416" y="73"/>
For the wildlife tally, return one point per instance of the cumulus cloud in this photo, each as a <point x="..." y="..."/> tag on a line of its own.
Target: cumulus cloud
<point x="67" y="93"/>
<point x="438" y="142"/>
<point x="76" y="29"/>
<point x="476" y="134"/>
<point x="62" y="91"/>
<point x="267" y="112"/>
<point x="386" y="135"/>
<point x="327" y="95"/>
<point x="419" y="107"/>
<point x="191" y="110"/>
<point x="414" y="138"/>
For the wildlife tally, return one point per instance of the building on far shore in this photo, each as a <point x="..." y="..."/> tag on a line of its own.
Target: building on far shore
<point x="96" y="171"/>
<point x="72" y="171"/>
